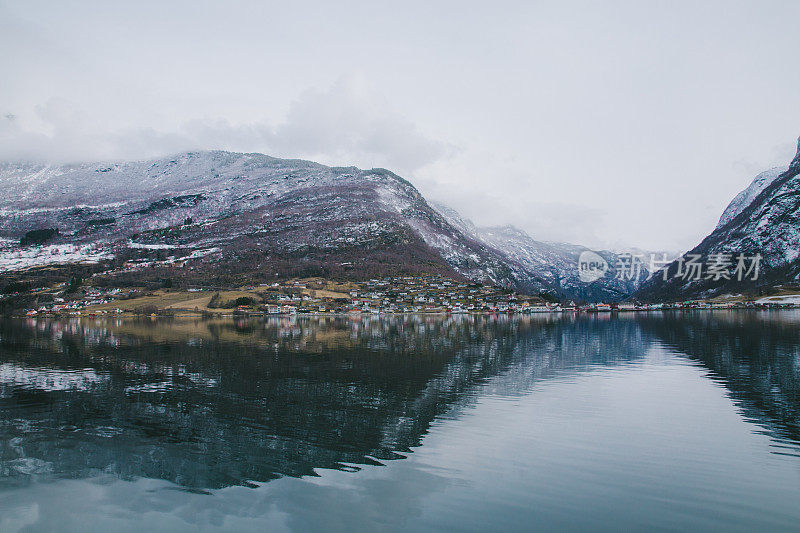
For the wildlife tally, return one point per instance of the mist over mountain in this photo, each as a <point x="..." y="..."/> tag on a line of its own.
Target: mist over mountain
<point x="218" y="217"/>
<point x="555" y="262"/>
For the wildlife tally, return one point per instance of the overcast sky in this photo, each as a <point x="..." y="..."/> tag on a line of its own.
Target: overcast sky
<point x="604" y="123"/>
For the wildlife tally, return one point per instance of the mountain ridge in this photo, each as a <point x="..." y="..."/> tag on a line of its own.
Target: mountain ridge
<point x="763" y="222"/>
<point x="231" y="217"/>
<point x="555" y="262"/>
<point x="253" y="212"/>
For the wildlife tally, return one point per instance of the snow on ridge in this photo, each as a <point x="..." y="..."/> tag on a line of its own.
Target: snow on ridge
<point x="745" y="197"/>
<point x="129" y="182"/>
<point x="7" y="211"/>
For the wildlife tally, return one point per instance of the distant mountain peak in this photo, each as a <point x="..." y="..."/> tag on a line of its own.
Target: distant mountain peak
<point x="555" y="262"/>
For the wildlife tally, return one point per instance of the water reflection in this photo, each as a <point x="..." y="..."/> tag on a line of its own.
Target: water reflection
<point x="210" y="404"/>
<point x="755" y="354"/>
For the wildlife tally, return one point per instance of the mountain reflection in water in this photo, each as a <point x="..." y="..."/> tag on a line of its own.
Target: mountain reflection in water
<point x="210" y="404"/>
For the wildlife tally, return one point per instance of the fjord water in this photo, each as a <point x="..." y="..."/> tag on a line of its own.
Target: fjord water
<point x="667" y="421"/>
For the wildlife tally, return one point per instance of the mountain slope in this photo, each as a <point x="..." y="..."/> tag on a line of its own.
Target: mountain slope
<point x="763" y="219"/>
<point x="218" y="215"/>
<point x="746" y="197"/>
<point x="555" y="263"/>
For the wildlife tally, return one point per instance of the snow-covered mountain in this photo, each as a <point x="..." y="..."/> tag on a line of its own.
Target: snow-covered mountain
<point x="762" y="220"/>
<point x="746" y="197"/>
<point x="557" y="263"/>
<point x="221" y="214"/>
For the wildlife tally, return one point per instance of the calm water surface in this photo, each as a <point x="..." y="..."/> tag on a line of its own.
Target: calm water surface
<point x="673" y="421"/>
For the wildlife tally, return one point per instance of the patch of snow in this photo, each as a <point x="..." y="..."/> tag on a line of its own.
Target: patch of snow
<point x="392" y="200"/>
<point x="785" y="299"/>
<point x="141" y="246"/>
<point x="791" y="254"/>
<point x="21" y="258"/>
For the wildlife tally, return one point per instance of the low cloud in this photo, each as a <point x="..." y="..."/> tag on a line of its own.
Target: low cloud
<point x="348" y="123"/>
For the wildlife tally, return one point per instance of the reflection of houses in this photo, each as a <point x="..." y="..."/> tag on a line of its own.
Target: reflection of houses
<point x="273" y="309"/>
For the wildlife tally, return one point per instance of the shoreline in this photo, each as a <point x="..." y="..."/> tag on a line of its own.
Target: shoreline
<point x="577" y="312"/>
